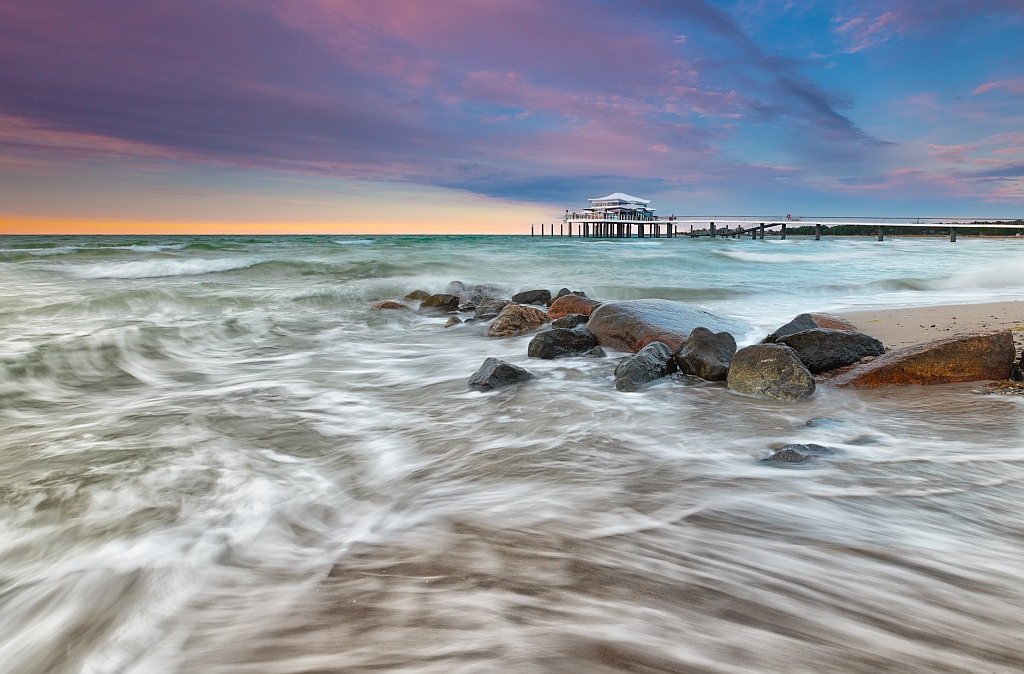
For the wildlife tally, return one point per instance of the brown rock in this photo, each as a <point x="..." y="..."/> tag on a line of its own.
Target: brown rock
<point x="516" y="319"/>
<point x="389" y="305"/>
<point x="770" y="371"/>
<point x="832" y="322"/>
<point x="630" y="325"/>
<point x="978" y="356"/>
<point x="571" y="304"/>
<point x="417" y="295"/>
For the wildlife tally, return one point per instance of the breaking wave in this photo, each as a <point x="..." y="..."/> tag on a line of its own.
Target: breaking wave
<point x="158" y="268"/>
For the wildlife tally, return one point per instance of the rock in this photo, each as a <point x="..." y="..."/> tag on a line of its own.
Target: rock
<point x="569" y="321"/>
<point x="832" y="322"/>
<point x="496" y="373"/>
<point x="821" y="350"/>
<point x="516" y="319"/>
<point x="561" y="342"/>
<point x="452" y="320"/>
<point x="389" y="305"/>
<point x="706" y="354"/>
<point x="572" y="304"/>
<point x="596" y="352"/>
<point x="455" y="287"/>
<point x="565" y="291"/>
<point x="630" y="325"/>
<point x="798" y="324"/>
<point x="798" y="453"/>
<point x="487" y="291"/>
<point x="440" y="303"/>
<point x="467" y="308"/>
<point x="770" y="371"/>
<point x="417" y="295"/>
<point x="532" y="297"/>
<point x="977" y="356"/>
<point x="489" y="308"/>
<point x="654" y="361"/>
<point x="1016" y="372"/>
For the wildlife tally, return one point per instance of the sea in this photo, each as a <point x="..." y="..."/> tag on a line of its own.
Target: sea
<point x="216" y="458"/>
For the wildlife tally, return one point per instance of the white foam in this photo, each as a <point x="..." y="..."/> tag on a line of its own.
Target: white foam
<point x="354" y="242"/>
<point x="786" y="258"/>
<point x="159" y="268"/>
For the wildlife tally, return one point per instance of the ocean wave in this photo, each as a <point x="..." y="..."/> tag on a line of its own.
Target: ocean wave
<point x="789" y="257"/>
<point x="159" y="268"/>
<point x="354" y="242"/>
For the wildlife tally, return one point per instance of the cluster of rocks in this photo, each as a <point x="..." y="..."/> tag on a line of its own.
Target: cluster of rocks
<point x="666" y="337"/>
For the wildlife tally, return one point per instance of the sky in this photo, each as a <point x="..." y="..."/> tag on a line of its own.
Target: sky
<point x="485" y="116"/>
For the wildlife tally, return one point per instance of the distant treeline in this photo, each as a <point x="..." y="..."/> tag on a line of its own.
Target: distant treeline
<point x="894" y="230"/>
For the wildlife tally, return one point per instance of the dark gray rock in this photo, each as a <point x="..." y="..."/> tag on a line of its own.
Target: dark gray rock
<point x="770" y="371"/>
<point x="489" y="308"/>
<point x="561" y="342"/>
<point x="495" y="373"/>
<point x="532" y="297"/>
<point x="596" y="352"/>
<point x="1016" y="373"/>
<point x="799" y="453"/>
<point x="654" y="361"/>
<point x="440" y="303"/>
<point x="822" y="350"/>
<point x="468" y="308"/>
<point x="706" y="354"/>
<point x="798" y="324"/>
<point x="454" y="320"/>
<point x="570" y="321"/>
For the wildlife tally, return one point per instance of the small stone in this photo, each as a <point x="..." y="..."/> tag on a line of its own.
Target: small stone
<point x="532" y="297"/>
<point x="495" y="373"/>
<point x="417" y="295"/>
<point x="452" y="320"/>
<point x="796" y="453"/>
<point x="516" y="319"/>
<point x="596" y="352"/>
<point x="569" y="321"/>
<point x="706" y="354"/>
<point x="389" y="305"/>
<point x="770" y="371"/>
<point x="561" y="342"/>
<point x="654" y="361"/>
<point x="572" y="304"/>
<point x="440" y="303"/>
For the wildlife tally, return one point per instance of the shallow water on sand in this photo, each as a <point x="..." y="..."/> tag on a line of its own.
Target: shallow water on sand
<point x="215" y="458"/>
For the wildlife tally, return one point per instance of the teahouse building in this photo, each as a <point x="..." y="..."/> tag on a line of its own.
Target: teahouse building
<point x="619" y="206"/>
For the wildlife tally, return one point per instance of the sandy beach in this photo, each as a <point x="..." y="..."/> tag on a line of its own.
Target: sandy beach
<point x="912" y="325"/>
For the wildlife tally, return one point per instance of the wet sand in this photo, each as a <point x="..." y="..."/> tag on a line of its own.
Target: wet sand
<point x="913" y="325"/>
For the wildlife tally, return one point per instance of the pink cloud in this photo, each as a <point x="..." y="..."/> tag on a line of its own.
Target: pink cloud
<point x="1013" y="86"/>
<point x="863" y="32"/>
<point x="951" y="154"/>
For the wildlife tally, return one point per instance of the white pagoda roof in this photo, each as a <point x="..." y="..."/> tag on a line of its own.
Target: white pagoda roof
<point x="619" y="196"/>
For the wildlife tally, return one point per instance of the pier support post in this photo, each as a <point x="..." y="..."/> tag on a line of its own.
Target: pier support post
<point x="817" y="232"/>
<point x="952" y="234"/>
<point x="561" y="230"/>
<point x="783" y="231"/>
<point x="712" y="230"/>
<point x="753" y="234"/>
<point x="881" y="233"/>
<point x="762" y="231"/>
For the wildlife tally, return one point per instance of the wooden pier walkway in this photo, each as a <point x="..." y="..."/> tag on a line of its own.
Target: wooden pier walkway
<point x="713" y="226"/>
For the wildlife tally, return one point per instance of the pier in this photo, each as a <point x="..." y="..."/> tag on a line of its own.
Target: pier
<point x="621" y="216"/>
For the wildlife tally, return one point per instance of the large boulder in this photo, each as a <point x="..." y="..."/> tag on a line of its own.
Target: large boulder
<point x="831" y="321"/>
<point x="770" y="371"/>
<point x="440" y="303"/>
<point x="489" y="308"/>
<point x="630" y="325"/>
<point x="822" y="350"/>
<point x="495" y="373"/>
<point x="516" y="319"/>
<point x="977" y="356"/>
<point x="706" y="354"/>
<point x="561" y="342"/>
<point x="654" y="361"/>
<point x="572" y="304"/>
<point x="387" y="304"/>
<point x="798" y="324"/>
<point x="532" y="297"/>
<point x="569" y="321"/>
